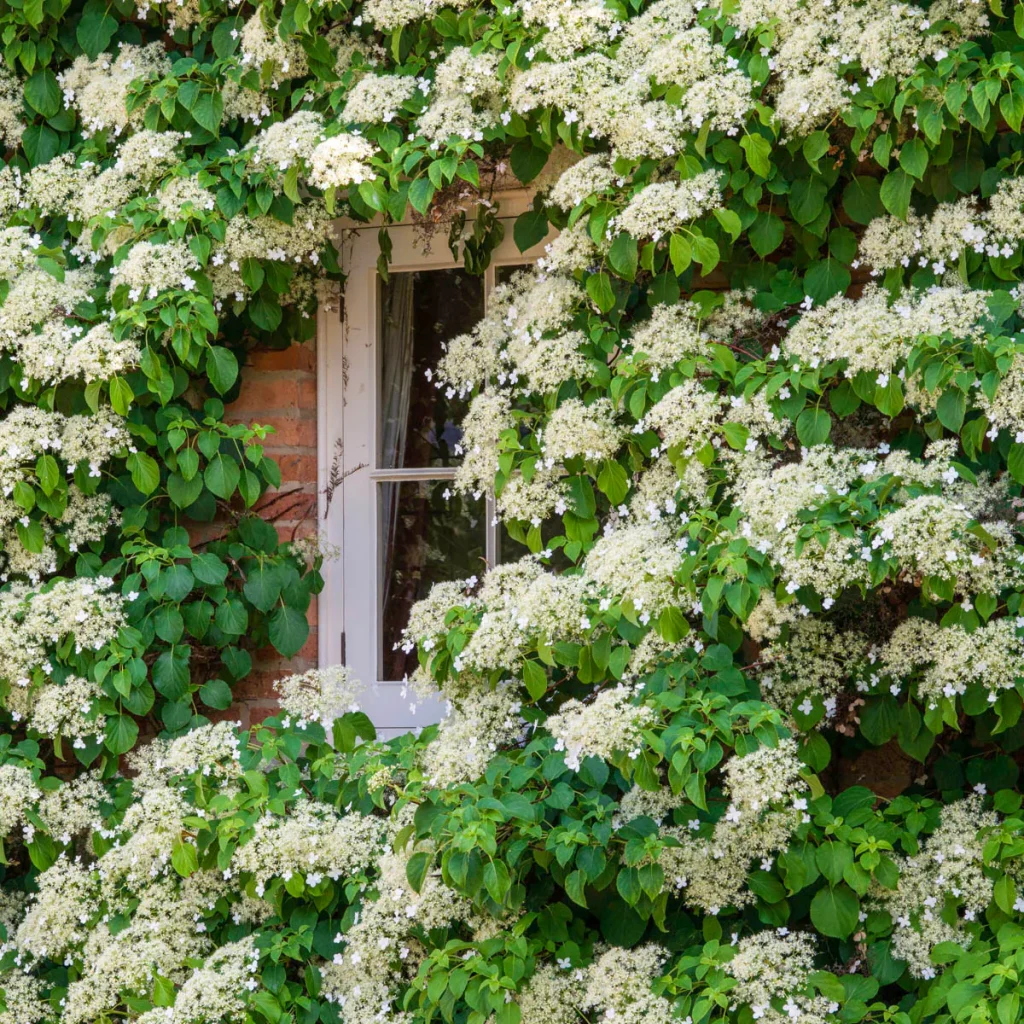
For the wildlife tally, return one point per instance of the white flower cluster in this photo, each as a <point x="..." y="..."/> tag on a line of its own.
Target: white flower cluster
<point x="619" y="984"/>
<point x="12" y="119"/>
<point x="871" y="334"/>
<point x="319" y="695"/>
<point x="771" y="971"/>
<point x="930" y="533"/>
<point x="287" y="143"/>
<point x="99" y="88"/>
<point x="18" y="792"/>
<point x="340" y="161"/>
<point x="214" y="991"/>
<point x="944" y="883"/>
<point x="768" y="801"/>
<point x="465" y="97"/>
<point x="150" y="268"/>
<point x="262" y="48"/>
<point x="939" y="241"/>
<point x="33" y="621"/>
<point x="66" y="709"/>
<point x="610" y="723"/>
<point x="661" y="208"/>
<point x="314" y="841"/>
<point x="470" y="735"/>
<point x="382" y="952"/>
<point x="29" y="431"/>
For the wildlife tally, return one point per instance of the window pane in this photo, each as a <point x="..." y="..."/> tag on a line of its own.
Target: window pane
<point x="419" y="311"/>
<point x="425" y="538"/>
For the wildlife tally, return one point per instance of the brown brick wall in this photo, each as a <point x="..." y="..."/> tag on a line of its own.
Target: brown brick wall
<point x="279" y="390"/>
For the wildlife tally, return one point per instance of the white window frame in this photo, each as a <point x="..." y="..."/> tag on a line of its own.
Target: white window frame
<point x="347" y="412"/>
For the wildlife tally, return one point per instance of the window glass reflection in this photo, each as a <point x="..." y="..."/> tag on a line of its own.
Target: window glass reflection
<point x="426" y="537"/>
<point x="419" y="311"/>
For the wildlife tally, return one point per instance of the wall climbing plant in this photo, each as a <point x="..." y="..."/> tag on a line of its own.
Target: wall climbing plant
<point x="740" y="739"/>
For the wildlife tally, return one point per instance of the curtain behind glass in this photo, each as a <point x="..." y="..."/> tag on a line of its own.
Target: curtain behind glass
<point x="396" y="346"/>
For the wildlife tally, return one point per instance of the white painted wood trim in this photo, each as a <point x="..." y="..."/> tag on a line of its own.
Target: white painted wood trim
<point x="347" y="361"/>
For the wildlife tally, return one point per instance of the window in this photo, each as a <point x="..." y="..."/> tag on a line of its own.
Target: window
<point x="387" y="454"/>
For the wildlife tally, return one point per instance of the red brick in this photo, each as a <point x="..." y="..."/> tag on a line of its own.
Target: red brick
<point x="257" y="685"/>
<point x="279" y="390"/>
<point x="297" y="468"/>
<point x="307" y="393"/>
<point x="295" y="357"/>
<point x="264" y="392"/>
<point x="257" y="713"/>
<point x="292" y="432"/>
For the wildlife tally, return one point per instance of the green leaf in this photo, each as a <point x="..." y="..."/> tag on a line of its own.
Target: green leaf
<point x="613" y="482"/>
<point x="1011" y="104"/>
<point x="42" y="93"/>
<point x="144" y="470"/>
<point x="1005" y="893"/>
<point x="265" y="311"/>
<point x="913" y="159"/>
<point x="680" y="253"/>
<point x="862" y="201"/>
<point x="599" y="288"/>
<point x="183" y="492"/>
<point x="216" y="694"/>
<point x="221" y="475"/>
<point x="815" y="146"/>
<point x="121" y="395"/>
<point x="705" y="252"/>
<point x="622" y="256"/>
<point x="673" y="625"/>
<point x="889" y="399"/>
<point x="1015" y="462"/>
<point x="421" y="192"/>
<point x="47" y="473"/>
<point x="835" y="911"/>
<point x="880" y="720"/>
<point x="527" y="160"/>
<point x="184" y="858"/>
<point x="31" y="536"/>
<point x="263" y="585"/>
<point x="766" y="233"/>
<point x="209" y="569"/>
<point x="33" y="12"/>
<point x="221" y="368"/>
<point x="416" y="869"/>
<point x="895" y="193"/>
<point x="825" y="278"/>
<point x="535" y="679"/>
<point x="576" y="887"/>
<point x="163" y="991"/>
<point x="209" y="111"/>
<point x="496" y="881"/>
<point x="807" y="199"/>
<point x="288" y="630"/>
<point x="730" y="222"/>
<point x="950" y="408"/>
<point x="95" y="31"/>
<point x="171" y="674"/>
<point x="120" y="734"/>
<point x="813" y="427"/>
<point x="758" y="152"/>
<point x="530" y="229"/>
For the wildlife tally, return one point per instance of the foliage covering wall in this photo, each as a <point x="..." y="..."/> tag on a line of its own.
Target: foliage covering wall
<point x="740" y="740"/>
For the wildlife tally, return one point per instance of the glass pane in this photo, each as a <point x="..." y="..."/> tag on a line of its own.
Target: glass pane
<point x="419" y="311"/>
<point x="426" y="537"/>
